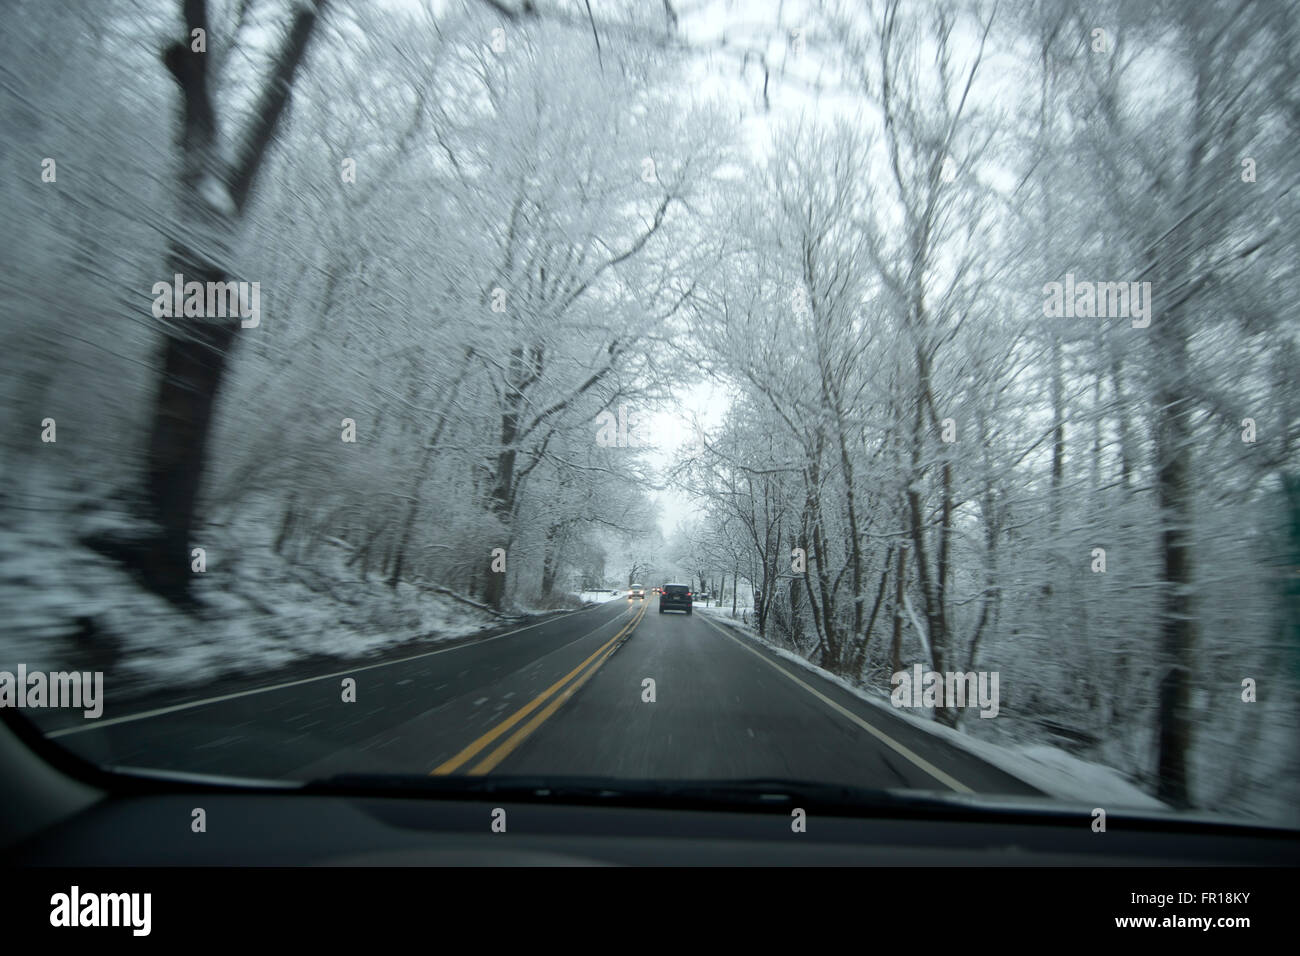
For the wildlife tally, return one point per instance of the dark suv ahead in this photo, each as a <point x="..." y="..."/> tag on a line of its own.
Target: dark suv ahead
<point x="675" y="597"/>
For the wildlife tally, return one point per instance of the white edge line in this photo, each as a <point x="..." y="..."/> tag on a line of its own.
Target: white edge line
<point x="947" y="780"/>
<point x="188" y="705"/>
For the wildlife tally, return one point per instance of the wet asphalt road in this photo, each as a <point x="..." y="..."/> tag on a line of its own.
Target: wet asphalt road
<point x="564" y="696"/>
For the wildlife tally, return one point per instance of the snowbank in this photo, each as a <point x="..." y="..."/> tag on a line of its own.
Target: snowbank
<point x="1049" y="769"/>
<point x="68" y="607"/>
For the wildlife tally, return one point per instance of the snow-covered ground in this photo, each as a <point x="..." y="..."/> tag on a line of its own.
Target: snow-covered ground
<point x="1050" y="769"/>
<point x="67" y="607"/>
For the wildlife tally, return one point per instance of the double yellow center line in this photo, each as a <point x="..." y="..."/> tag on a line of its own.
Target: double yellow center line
<point x="568" y="684"/>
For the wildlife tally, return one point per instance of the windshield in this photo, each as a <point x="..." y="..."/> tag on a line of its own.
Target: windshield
<point x="357" y="356"/>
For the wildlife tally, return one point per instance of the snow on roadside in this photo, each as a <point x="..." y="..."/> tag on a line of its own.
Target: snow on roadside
<point x="1049" y="769"/>
<point x="570" y="601"/>
<point x="67" y="607"/>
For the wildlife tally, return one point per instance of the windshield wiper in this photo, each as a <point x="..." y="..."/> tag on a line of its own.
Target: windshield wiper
<point x="753" y="793"/>
<point x="758" y="794"/>
<point x="781" y="795"/>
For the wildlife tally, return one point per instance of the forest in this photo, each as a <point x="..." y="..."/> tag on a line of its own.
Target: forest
<point x="1002" y="297"/>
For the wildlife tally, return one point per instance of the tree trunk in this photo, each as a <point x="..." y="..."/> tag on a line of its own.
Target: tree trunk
<point x="422" y="472"/>
<point x="1177" y="619"/>
<point x="502" y="498"/>
<point x="896" y="641"/>
<point x="864" y="640"/>
<point x="550" y="562"/>
<point x="195" y="354"/>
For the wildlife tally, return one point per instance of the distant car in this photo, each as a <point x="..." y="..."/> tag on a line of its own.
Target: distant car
<point x="676" y="597"/>
<point x="636" y="591"/>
